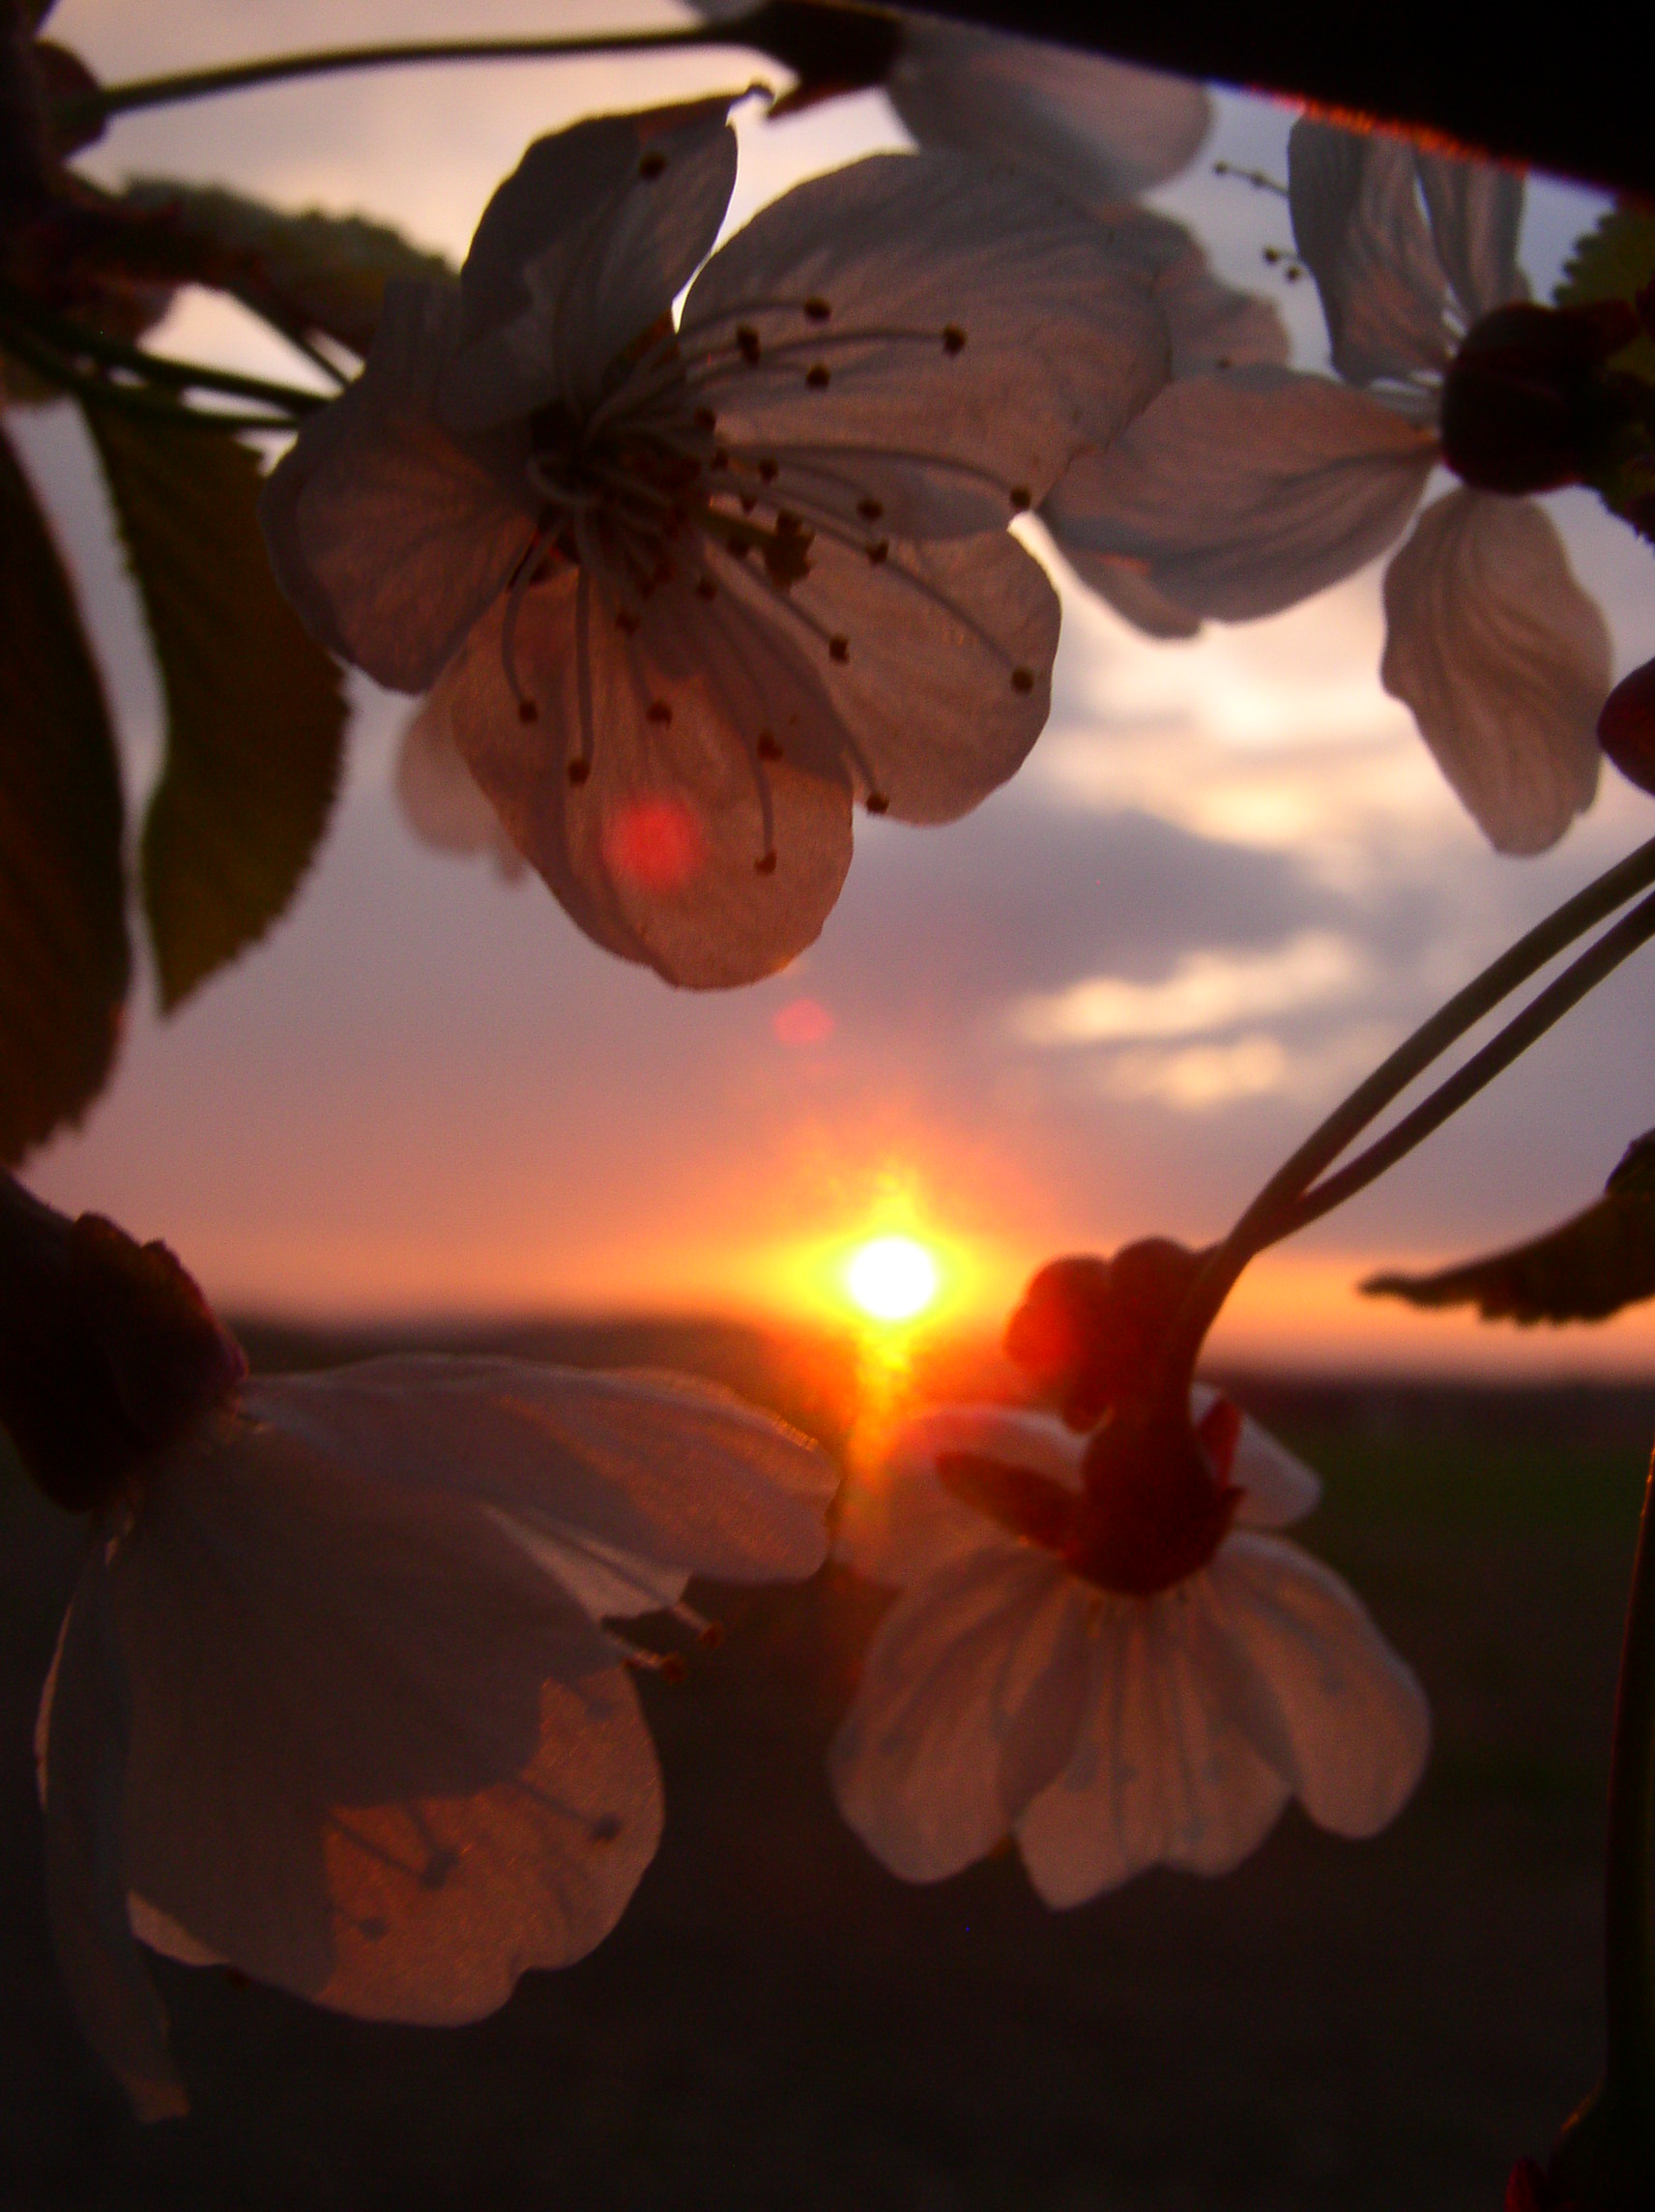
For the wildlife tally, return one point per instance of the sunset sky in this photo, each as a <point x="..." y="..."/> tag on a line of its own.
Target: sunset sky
<point x="1104" y="1005"/>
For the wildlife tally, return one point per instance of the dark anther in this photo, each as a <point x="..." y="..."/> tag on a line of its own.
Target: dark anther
<point x="658" y="711"/>
<point x="816" y="376"/>
<point x="606" y="1828"/>
<point x="747" y="342"/>
<point x="764" y="865"/>
<point x="672" y="1668"/>
<point x="1023" y="679"/>
<point x="652" y="165"/>
<point x="768" y="470"/>
<point x="719" y="460"/>
<point x="706" y="588"/>
<point x="876" y="802"/>
<point x="739" y="549"/>
<point x="579" y="771"/>
<point x="769" y="750"/>
<point x="869" y="509"/>
<point x="790" y="525"/>
<point x="953" y="338"/>
<point x="748" y="501"/>
<point x="1022" y="500"/>
<point x="711" y="1636"/>
<point x="879" y="551"/>
<point x="626" y="622"/>
<point x="838" y="648"/>
<point x="704" y="418"/>
<point x="817" y="310"/>
<point x="527" y="710"/>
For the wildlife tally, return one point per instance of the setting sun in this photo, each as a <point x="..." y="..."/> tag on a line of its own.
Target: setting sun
<point x="893" y="1279"/>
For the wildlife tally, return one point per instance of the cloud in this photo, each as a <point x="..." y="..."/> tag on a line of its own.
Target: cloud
<point x="1206" y="992"/>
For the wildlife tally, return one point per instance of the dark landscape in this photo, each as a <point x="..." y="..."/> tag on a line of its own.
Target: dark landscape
<point x="777" y="2023"/>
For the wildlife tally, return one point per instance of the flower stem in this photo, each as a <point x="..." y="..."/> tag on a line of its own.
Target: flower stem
<point x="89" y="108"/>
<point x="1271" y="1213"/>
<point x="1552" y="1004"/>
<point x="50" y="338"/>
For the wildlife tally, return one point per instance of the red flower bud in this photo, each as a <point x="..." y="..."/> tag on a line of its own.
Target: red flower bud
<point x="1626" y="727"/>
<point x="1090" y="1332"/>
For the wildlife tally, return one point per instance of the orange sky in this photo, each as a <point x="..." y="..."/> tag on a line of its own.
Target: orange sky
<point x="1105" y="1005"/>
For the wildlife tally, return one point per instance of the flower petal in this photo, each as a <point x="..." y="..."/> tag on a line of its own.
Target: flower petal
<point x="643" y="1468"/>
<point x="1359" y="227"/>
<point x="977" y="331"/>
<point x="377" y="1758"/>
<point x="899" y="1524"/>
<point x="1476" y="212"/>
<point x="1505" y="662"/>
<point x="442" y="801"/>
<point x="390" y="536"/>
<point x="582" y="250"/>
<point x="1127" y="587"/>
<point x="1211" y="325"/>
<point x="1357" y="1720"/>
<point x="658" y="854"/>
<point x="83" y="1740"/>
<point x="1277" y="1486"/>
<point x="938" y="660"/>
<point x="1162" y="1772"/>
<point x="1098" y="131"/>
<point x="967" y="1693"/>
<point x="1241" y="494"/>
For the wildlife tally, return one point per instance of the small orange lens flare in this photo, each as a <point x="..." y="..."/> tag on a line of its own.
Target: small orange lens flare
<point x="801" y="1022"/>
<point x="656" y="843"/>
<point x="892" y="1279"/>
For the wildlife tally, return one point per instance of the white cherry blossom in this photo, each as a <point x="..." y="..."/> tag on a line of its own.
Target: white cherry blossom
<point x="1240" y="493"/>
<point x="333" y="1701"/>
<point x="687" y="592"/>
<point x="1107" y="1732"/>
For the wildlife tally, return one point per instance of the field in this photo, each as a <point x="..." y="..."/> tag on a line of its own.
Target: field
<point x="779" y="2023"/>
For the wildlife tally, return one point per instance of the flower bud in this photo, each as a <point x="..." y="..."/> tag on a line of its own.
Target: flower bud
<point x="1158" y="1500"/>
<point x="1090" y="1332"/>
<point x="107" y="1349"/>
<point x="1626" y="727"/>
<point x="1526" y="404"/>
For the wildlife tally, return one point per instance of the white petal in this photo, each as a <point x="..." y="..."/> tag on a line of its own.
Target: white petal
<point x="1211" y="325"/>
<point x="583" y="248"/>
<point x="968" y="1698"/>
<point x="1476" y="212"/>
<point x="898" y="1524"/>
<point x="1098" y="130"/>
<point x="1061" y="342"/>
<point x="1278" y="1487"/>
<point x="377" y="1758"/>
<point x="944" y="679"/>
<point x="1127" y="587"/>
<point x="1163" y="1772"/>
<point x="390" y="536"/>
<point x="1504" y="660"/>
<point x="442" y="801"/>
<point x="642" y="1467"/>
<point x="83" y="1744"/>
<point x="658" y="855"/>
<point x="1357" y="223"/>
<point x="1356" y="1719"/>
<point x="1241" y="494"/>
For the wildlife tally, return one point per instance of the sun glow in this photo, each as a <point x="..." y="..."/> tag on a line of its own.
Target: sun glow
<point x="892" y="1278"/>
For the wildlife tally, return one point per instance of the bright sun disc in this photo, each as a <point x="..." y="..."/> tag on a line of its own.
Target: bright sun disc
<point x="892" y="1279"/>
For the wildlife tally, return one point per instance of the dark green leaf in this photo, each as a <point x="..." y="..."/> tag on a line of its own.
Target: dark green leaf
<point x="65" y="962"/>
<point x="1586" y="1270"/>
<point x="255" y="710"/>
<point x="1614" y="262"/>
<point x="310" y="275"/>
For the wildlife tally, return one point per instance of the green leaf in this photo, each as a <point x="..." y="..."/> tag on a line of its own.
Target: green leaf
<point x="255" y="710"/>
<point x="1614" y="262"/>
<point x="309" y="275"/>
<point x="65" y="962"/>
<point x="1586" y="1270"/>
